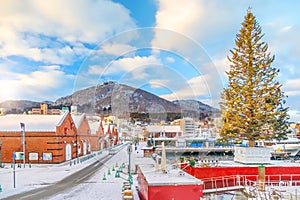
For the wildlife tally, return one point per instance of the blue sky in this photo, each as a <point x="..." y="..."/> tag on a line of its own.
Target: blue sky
<point x="175" y="49"/>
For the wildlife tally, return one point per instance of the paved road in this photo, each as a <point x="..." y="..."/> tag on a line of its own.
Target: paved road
<point x="68" y="182"/>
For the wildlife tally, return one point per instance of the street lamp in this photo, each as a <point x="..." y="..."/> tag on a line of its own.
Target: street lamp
<point x="23" y="141"/>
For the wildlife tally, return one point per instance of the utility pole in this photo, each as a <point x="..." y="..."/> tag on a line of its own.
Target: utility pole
<point x="23" y="141"/>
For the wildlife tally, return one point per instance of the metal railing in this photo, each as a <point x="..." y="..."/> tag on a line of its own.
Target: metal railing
<point x="238" y="182"/>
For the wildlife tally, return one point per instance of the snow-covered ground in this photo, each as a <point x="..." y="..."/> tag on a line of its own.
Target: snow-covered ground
<point x="94" y="188"/>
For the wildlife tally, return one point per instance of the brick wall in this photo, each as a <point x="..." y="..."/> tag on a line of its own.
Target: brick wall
<point x="51" y="142"/>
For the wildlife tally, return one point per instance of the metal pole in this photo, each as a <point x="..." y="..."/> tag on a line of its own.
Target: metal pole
<point x="23" y="141"/>
<point x="129" y="167"/>
<point x="129" y="151"/>
<point x="14" y="171"/>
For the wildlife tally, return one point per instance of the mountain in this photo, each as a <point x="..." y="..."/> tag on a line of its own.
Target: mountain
<point x="117" y="99"/>
<point x="120" y="100"/>
<point x="111" y="98"/>
<point x="18" y="106"/>
<point x="194" y="105"/>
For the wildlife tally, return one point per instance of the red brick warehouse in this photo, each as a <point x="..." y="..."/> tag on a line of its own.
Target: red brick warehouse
<point x="49" y="138"/>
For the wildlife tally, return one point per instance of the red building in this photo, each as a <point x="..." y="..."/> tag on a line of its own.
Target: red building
<point x="89" y="133"/>
<point x="155" y="184"/>
<point x="48" y="138"/>
<point x="110" y="132"/>
<point x="97" y="134"/>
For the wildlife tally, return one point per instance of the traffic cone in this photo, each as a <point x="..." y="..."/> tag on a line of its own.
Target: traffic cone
<point x="117" y="175"/>
<point x="108" y="171"/>
<point x="113" y="168"/>
<point x="117" y="165"/>
<point x="0" y="188"/>
<point x="104" y="177"/>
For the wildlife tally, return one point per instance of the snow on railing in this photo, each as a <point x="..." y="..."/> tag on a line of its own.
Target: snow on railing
<point x="236" y="182"/>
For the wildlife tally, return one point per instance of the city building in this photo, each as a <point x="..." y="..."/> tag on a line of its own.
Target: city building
<point x="44" y="110"/>
<point x="187" y="126"/>
<point x="110" y="132"/>
<point x="167" y="133"/>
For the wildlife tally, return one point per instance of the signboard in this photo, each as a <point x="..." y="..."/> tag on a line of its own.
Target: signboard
<point x="33" y="156"/>
<point x="65" y="109"/>
<point x="129" y="149"/>
<point x="47" y="156"/>
<point x="18" y="155"/>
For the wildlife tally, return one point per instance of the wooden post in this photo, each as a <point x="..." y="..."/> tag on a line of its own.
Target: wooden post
<point x="251" y="143"/>
<point x="261" y="177"/>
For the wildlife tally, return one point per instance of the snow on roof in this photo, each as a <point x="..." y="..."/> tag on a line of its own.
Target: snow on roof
<point x="147" y="147"/>
<point x="171" y="177"/>
<point x="163" y="128"/>
<point x="94" y="125"/>
<point x="111" y="127"/>
<point x="105" y="128"/>
<point x="78" y="119"/>
<point x="33" y="123"/>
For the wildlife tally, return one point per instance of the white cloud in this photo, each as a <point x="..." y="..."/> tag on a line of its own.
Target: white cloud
<point x="222" y="65"/>
<point x="170" y="60"/>
<point x="125" y="65"/>
<point x="45" y="84"/>
<point x="194" y="88"/>
<point x="96" y="70"/>
<point x="116" y="49"/>
<point x="286" y="28"/>
<point x="292" y="87"/>
<point x="294" y="115"/>
<point x="28" y="28"/>
<point x="158" y="83"/>
<point x="199" y="20"/>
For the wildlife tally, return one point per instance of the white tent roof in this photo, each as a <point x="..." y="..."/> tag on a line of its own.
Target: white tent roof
<point x="33" y="123"/>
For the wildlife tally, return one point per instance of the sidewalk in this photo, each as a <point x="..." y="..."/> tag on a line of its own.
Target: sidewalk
<point x="43" y="175"/>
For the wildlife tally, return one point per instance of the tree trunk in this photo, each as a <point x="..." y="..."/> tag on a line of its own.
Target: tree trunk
<point x="251" y="143"/>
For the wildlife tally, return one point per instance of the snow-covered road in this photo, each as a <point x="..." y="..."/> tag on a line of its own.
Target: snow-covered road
<point x="44" y="175"/>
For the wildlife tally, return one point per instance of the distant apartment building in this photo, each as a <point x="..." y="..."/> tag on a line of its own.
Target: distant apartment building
<point x="43" y="110"/>
<point x="297" y="129"/>
<point x="187" y="126"/>
<point x="156" y="134"/>
<point x="2" y="112"/>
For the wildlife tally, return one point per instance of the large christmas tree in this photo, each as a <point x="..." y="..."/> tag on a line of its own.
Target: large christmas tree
<point x="253" y="103"/>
